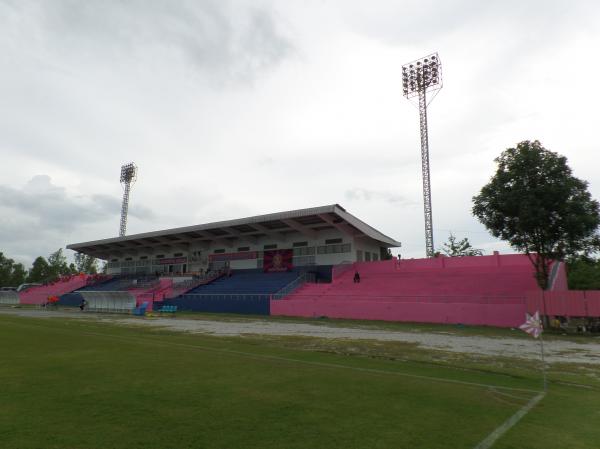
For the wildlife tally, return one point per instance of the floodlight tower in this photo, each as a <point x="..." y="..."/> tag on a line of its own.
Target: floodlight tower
<point x="419" y="77"/>
<point x="128" y="177"/>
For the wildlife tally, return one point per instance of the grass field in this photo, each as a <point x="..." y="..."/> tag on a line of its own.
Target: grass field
<point x="82" y="384"/>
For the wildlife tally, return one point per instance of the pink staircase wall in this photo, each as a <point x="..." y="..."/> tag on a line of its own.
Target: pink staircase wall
<point x="154" y="294"/>
<point x="481" y="290"/>
<point x="39" y="295"/>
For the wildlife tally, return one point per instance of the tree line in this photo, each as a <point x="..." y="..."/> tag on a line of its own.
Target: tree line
<point x="44" y="270"/>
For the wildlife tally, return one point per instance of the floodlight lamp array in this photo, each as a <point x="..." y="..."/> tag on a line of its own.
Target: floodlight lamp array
<point x="422" y="75"/>
<point x="128" y="172"/>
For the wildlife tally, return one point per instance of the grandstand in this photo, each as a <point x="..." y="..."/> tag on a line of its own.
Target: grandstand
<point x="303" y="263"/>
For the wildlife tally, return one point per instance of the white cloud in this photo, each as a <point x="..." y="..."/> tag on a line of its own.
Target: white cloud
<point x="239" y="108"/>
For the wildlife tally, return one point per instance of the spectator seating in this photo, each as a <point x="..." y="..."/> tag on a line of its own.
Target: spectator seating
<point x="245" y="291"/>
<point x="471" y="290"/>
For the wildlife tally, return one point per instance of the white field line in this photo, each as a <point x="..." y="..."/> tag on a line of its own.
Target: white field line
<point x="489" y="441"/>
<point x="307" y="362"/>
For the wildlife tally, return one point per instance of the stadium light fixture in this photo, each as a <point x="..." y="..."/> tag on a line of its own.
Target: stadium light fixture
<point x="128" y="177"/>
<point x="418" y="78"/>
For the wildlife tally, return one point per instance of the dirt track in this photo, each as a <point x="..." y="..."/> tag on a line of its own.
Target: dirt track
<point x="565" y="351"/>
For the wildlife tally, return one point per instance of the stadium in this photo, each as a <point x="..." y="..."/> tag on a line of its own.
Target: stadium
<point x="303" y="327"/>
<point x="303" y="263"/>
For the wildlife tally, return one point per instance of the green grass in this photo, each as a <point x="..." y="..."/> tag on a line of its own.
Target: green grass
<point x="69" y="384"/>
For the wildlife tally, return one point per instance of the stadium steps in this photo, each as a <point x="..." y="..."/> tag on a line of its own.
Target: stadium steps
<point x="246" y="291"/>
<point x="463" y="290"/>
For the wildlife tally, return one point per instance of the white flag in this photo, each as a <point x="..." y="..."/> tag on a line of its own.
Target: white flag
<point x="532" y="325"/>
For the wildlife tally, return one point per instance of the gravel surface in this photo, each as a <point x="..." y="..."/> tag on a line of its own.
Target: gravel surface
<point x="556" y="350"/>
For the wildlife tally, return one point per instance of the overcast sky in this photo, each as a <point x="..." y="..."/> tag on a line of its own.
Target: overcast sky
<point x="238" y="108"/>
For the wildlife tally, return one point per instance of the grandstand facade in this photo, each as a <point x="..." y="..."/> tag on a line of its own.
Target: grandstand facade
<point x="319" y="236"/>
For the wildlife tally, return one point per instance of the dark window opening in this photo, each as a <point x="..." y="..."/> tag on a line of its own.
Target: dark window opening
<point x="299" y="244"/>
<point x="272" y="246"/>
<point x="243" y="248"/>
<point x="332" y="241"/>
<point x="219" y="251"/>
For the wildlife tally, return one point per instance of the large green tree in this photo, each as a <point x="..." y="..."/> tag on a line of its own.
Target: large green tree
<point x="536" y="204"/>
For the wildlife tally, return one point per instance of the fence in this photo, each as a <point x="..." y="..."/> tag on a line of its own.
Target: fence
<point x="111" y="302"/>
<point x="294" y="285"/>
<point x="572" y="303"/>
<point x="9" y="298"/>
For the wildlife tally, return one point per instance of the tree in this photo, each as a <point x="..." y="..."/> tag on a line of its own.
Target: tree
<point x="537" y="205"/>
<point x="386" y="254"/>
<point x="461" y="248"/>
<point x="11" y="274"/>
<point x="19" y="275"/>
<point x="57" y="263"/>
<point x="85" y="264"/>
<point x="39" y="271"/>
<point x="583" y="273"/>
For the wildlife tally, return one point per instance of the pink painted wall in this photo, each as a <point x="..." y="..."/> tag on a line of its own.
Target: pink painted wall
<point x="509" y="313"/>
<point x="483" y="290"/>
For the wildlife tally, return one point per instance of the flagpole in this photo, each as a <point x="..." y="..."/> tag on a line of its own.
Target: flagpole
<point x="543" y="361"/>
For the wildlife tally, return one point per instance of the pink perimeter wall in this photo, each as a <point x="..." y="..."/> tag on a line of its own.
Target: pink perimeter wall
<point x="509" y="312"/>
<point x="572" y="303"/>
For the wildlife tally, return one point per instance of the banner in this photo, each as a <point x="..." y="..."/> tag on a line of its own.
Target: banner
<point x="278" y="260"/>
<point x="172" y="261"/>
<point x="244" y="255"/>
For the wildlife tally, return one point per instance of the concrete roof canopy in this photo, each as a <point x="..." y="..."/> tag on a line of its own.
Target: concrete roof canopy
<point x="306" y="221"/>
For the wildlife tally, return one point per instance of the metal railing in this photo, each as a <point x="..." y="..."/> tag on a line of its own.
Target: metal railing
<point x="219" y="296"/>
<point x="9" y="298"/>
<point x="182" y="287"/>
<point x="294" y="285"/>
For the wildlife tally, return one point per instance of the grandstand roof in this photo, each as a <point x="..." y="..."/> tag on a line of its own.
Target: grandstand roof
<point x="306" y="221"/>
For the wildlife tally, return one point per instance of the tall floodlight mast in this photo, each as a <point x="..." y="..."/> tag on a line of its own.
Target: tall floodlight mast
<point x="419" y="77"/>
<point x="128" y="177"/>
